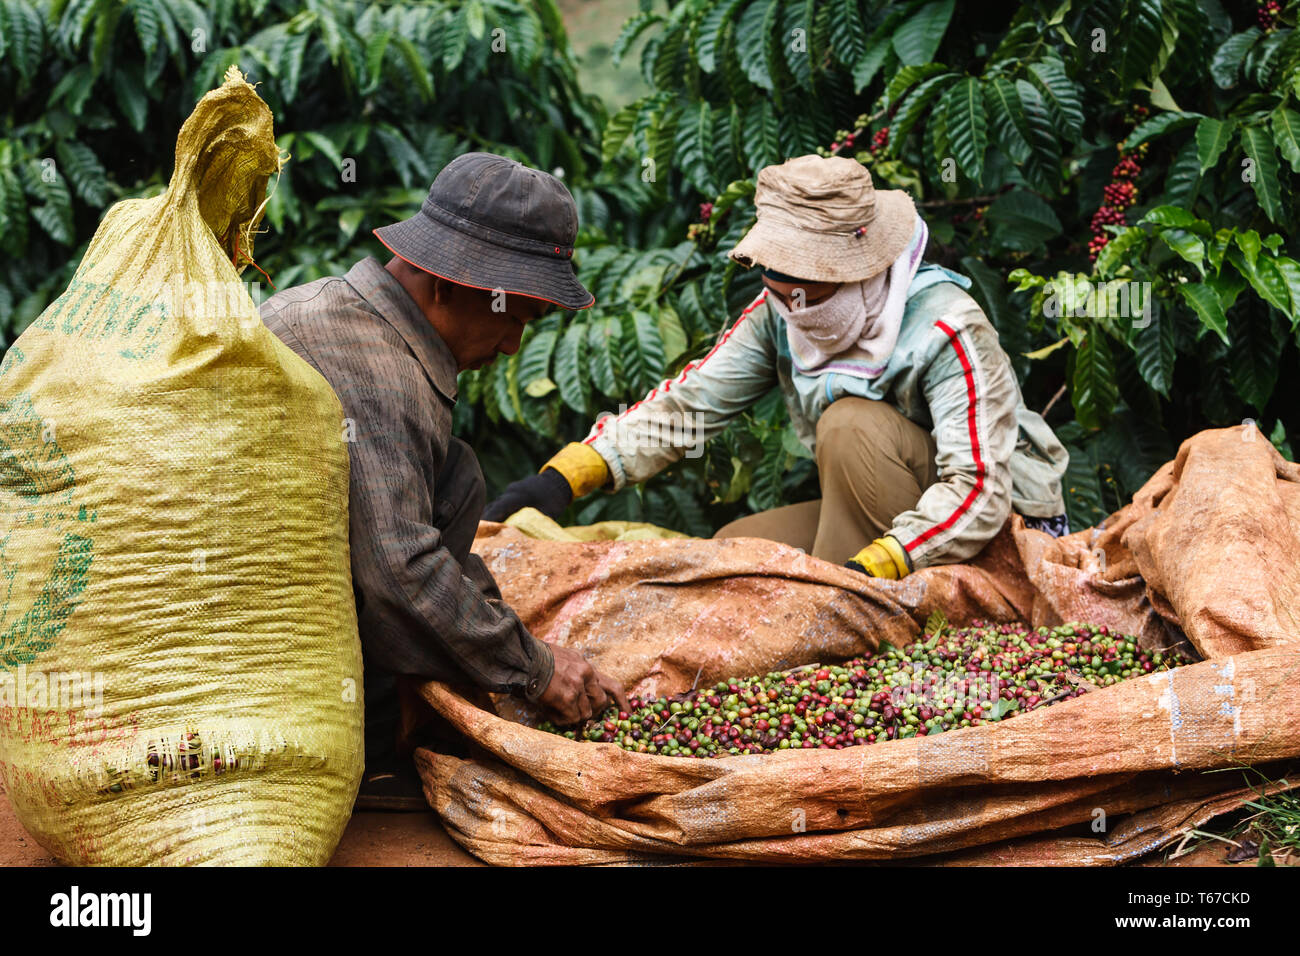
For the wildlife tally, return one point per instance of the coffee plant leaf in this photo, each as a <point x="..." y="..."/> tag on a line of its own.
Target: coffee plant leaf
<point x="1289" y="270"/>
<point x="603" y="344"/>
<point x="762" y="143"/>
<point x="84" y="170"/>
<point x="147" y="16"/>
<point x="848" y="38"/>
<point x="908" y="77"/>
<point x="631" y="31"/>
<point x="1188" y="245"/>
<point x="672" y="334"/>
<point x="1093" y="387"/>
<point x="754" y="42"/>
<point x="24" y="37"/>
<point x="918" y="38"/>
<point x="571" y="367"/>
<point x="1082" y="488"/>
<point x="733" y="193"/>
<point x="1121" y="249"/>
<point x="865" y="70"/>
<point x="505" y="383"/>
<point x="1155" y="350"/>
<point x="1225" y="65"/>
<point x="1227" y="285"/>
<point x="1176" y="217"/>
<point x="1286" y="133"/>
<point x="1257" y="342"/>
<point x="1262" y="58"/>
<point x="1042" y="169"/>
<point x="1157" y="126"/>
<point x="936" y="623"/>
<point x="1270" y="284"/>
<point x="415" y="68"/>
<point x="1205" y="303"/>
<point x="682" y="510"/>
<point x="132" y="99"/>
<point x="535" y="356"/>
<point x="1140" y="53"/>
<point x="1258" y="146"/>
<point x="1007" y="118"/>
<point x="709" y="33"/>
<point x="914" y="107"/>
<point x="1061" y="97"/>
<point x="792" y="445"/>
<point x="1020" y="220"/>
<point x="968" y="132"/>
<point x="1017" y="41"/>
<point x="694" y="150"/>
<point x="799" y="59"/>
<point x="765" y="489"/>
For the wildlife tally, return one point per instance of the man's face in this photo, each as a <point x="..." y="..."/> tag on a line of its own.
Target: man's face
<point x="796" y="295"/>
<point x="489" y="323"/>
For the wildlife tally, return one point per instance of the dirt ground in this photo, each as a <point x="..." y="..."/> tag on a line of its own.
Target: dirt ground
<point x="371" y="839"/>
<point x="418" y="839"/>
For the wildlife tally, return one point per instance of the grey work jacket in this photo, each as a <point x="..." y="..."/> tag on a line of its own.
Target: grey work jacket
<point x="948" y="373"/>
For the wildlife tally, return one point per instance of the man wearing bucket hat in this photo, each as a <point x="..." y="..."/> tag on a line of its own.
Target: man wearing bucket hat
<point x="892" y="374"/>
<point x="489" y="250"/>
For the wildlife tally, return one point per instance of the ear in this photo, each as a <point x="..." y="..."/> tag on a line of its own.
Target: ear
<point x="442" y="290"/>
<point x="536" y="308"/>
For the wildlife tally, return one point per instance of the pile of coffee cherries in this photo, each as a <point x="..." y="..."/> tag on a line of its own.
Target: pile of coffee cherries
<point x="951" y="678"/>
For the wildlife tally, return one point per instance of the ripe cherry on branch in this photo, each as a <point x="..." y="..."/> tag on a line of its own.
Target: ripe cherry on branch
<point x="1119" y="194"/>
<point x="1267" y="15"/>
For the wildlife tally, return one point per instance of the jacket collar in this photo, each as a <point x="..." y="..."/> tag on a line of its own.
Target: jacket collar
<point x="395" y="306"/>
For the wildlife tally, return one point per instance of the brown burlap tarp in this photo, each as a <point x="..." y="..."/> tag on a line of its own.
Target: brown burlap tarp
<point x="1207" y="549"/>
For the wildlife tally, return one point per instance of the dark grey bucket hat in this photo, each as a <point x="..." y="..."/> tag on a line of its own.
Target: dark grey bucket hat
<point x="492" y="223"/>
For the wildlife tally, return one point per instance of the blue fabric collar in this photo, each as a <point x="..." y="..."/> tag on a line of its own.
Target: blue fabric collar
<point x="931" y="273"/>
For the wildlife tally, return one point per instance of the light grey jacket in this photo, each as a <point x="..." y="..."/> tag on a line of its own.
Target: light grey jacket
<point x="947" y="373"/>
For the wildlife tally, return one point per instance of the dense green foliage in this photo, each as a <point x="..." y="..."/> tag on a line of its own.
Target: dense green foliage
<point x="1009" y="133"/>
<point x="99" y="88"/>
<point x="1006" y="123"/>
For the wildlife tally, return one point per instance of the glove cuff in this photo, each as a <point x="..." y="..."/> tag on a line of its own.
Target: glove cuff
<point x="581" y="466"/>
<point x="896" y="553"/>
<point x="882" y="558"/>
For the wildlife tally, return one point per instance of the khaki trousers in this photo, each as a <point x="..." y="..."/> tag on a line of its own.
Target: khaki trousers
<point x="873" y="464"/>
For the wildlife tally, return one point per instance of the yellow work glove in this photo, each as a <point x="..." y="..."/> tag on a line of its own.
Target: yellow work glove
<point x="883" y="558"/>
<point x="581" y="466"/>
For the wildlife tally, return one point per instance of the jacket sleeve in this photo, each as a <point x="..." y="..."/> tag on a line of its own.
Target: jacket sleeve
<point x="680" y="414"/>
<point x="419" y="606"/>
<point x="972" y="394"/>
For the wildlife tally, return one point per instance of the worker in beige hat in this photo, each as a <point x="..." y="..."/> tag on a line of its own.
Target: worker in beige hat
<point x="892" y="374"/>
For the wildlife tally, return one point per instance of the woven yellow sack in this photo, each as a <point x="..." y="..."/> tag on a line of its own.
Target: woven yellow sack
<point x="180" y="674"/>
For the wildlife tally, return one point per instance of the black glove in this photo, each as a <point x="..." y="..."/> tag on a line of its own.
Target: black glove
<point x="547" y="491"/>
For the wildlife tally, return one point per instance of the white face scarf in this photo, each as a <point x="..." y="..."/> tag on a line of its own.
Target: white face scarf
<point x="854" y="331"/>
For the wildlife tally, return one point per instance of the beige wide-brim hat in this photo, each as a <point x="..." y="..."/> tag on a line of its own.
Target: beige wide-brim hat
<point x="822" y="219"/>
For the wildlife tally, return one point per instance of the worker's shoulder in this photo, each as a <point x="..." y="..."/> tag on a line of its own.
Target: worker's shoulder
<point x="322" y="297"/>
<point x="326" y="310"/>
<point x="758" y="317"/>
<point x="335" y="328"/>
<point x="945" y="309"/>
<point x="946" y="325"/>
